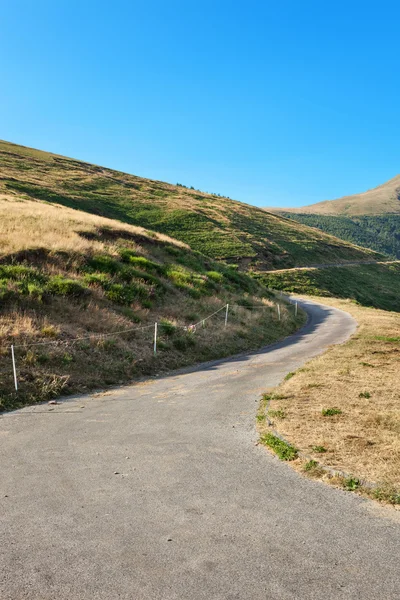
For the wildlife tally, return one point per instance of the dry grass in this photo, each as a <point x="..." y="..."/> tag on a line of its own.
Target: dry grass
<point x="29" y="224"/>
<point x="361" y="379"/>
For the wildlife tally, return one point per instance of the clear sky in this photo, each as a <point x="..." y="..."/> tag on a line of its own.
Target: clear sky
<point x="277" y="103"/>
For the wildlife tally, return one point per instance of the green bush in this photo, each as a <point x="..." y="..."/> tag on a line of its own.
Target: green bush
<point x="60" y="286"/>
<point x="104" y="264"/>
<point x="183" y="342"/>
<point x="167" y="328"/>
<point x="330" y="412"/>
<point x="126" y="294"/>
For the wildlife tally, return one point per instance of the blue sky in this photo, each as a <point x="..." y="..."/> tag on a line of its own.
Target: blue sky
<point x="272" y="103"/>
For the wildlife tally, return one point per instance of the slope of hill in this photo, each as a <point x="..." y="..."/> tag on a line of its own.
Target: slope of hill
<point x="376" y="285"/>
<point x="370" y="219"/>
<point x="380" y="233"/>
<point x="380" y="200"/>
<point x="79" y="296"/>
<point x="218" y="227"/>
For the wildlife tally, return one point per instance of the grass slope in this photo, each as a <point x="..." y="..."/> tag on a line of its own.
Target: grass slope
<point x="67" y="274"/>
<point x="380" y="233"/>
<point x="370" y="285"/>
<point x="218" y="227"/>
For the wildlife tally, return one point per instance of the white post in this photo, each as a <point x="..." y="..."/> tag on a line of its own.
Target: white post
<point x="155" y="338"/>
<point x="204" y="323"/>
<point x="226" y="315"/>
<point x="295" y="310"/>
<point x="14" y="369"/>
<point x="279" y="312"/>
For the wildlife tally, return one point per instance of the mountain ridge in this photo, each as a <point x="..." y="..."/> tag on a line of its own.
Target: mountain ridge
<point x="382" y="199"/>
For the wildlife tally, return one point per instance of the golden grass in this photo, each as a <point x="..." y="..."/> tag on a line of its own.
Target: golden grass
<point x="27" y="224"/>
<point x="361" y="379"/>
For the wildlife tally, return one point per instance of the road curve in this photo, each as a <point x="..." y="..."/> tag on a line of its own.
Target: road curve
<point x="157" y="491"/>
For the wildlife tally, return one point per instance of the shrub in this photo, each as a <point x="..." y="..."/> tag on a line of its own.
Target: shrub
<point x="351" y="483"/>
<point x="183" y="342"/>
<point x="104" y="264"/>
<point x="126" y="294"/>
<point x="101" y="279"/>
<point x="167" y="327"/>
<point x="215" y="276"/>
<point x="330" y="412"/>
<point x="61" y="286"/>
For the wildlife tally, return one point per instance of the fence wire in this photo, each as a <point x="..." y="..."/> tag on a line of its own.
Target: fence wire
<point x="154" y="326"/>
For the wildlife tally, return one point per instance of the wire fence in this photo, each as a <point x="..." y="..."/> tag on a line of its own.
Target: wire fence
<point x="191" y="328"/>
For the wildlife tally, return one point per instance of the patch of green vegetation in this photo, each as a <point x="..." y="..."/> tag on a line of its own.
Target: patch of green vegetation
<point x="289" y="376"/>
<point x="61" y="286"/>
<point x="330" y="412"/>
<point x="310" y="465"/>
<point x="319" y="449"/>
<point x="184" y="342"/>
<point x="277" y="414"/>
<point x="387" y="494"/>
<point x="364" y="395"/>
<point x="281" y="448"/>
<point x="351" y="484"/>
<point x="383" y="338"/>
<point x="376" y="285"/>
<point x="380" y="233"/>
<point x="167" y="328"/>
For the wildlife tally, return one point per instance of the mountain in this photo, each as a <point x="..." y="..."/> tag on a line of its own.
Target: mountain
<point x="219" y="227"/>
<point x="384" y="199"/>
<point x="370" y="219"/>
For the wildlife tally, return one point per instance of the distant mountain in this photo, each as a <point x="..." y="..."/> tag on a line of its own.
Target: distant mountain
<point x="379" y="201"/>
<point x="370" y="219"/>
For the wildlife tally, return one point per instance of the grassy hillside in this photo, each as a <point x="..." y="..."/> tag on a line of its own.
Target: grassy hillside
<point x="369" y="285"/>
<point x="384" y="199"/>
<point x="380" y="233"/>
<point x="71" y="282"/>
<point x="218" y="227"/>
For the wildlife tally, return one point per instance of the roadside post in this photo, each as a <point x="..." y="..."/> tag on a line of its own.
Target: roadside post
<point x="155" y="339"/>
<point x="14" y="368"/>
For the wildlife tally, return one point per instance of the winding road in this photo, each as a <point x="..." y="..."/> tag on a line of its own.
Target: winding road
<point x="157" y="491"/>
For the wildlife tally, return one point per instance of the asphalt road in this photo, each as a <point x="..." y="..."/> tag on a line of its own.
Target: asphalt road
<point x="157" y="491"/>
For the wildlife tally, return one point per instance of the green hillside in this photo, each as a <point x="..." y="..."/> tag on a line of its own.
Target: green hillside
<point x="218" y="227"/>
<point x="376" y="285"/>
<point x="380" y="233"/>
